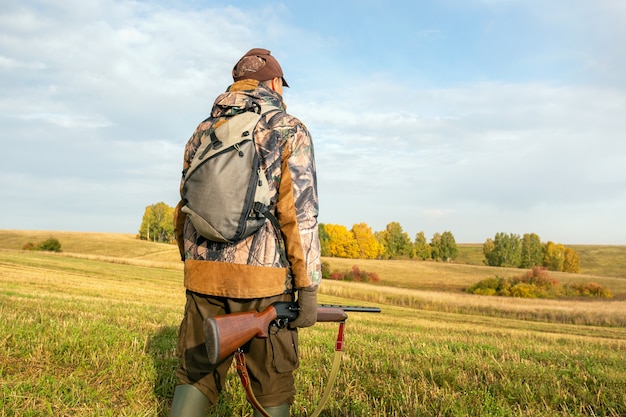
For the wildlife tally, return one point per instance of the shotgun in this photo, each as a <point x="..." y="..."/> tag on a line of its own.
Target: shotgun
<point x="226" y="333"/>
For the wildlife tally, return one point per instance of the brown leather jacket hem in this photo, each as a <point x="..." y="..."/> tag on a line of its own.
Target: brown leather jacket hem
<point x="224" y="279"/>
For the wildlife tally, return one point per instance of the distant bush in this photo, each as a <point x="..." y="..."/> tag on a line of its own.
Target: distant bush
<point x="51" y="245"/>
<point x="589" y="289"/>
<point x="354" y="274"/>
<point x="536" y="283"/>
<point x="489" y="286"/>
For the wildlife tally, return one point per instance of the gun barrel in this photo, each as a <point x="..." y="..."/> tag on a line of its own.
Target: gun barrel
<point x="359" y="309"/>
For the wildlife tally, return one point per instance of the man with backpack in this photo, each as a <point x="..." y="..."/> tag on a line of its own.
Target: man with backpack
<point x="273" y="252"/>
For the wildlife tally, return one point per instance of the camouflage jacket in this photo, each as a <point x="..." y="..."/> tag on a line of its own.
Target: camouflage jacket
<point x="252" y="267"/>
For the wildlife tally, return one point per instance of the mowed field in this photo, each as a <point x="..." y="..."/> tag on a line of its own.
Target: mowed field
<point x="92" y="332"/>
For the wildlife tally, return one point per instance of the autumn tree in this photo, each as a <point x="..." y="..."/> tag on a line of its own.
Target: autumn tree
<point x="554" y="256"/>
<point x="559" y="258"/>
<point x="489" y="251"/>
<point x="422" y="248"/>
<point x="368" y="247"/>
<point x="571" y="261"/>
<point x="157" y="224"/>
<point x="531" y="251"/>
<point x="341" y="242"/>
<point x="396" y="242"/>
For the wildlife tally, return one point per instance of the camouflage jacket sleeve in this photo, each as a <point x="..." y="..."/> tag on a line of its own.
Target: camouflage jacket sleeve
<point x="297" y="205"/>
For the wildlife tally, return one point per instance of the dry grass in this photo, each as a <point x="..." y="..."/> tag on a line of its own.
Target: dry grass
<point x="84" y="336"/>
<point x="112" y="245"/>
<point x="439" y="276"/>
<point x="570" y="311"/>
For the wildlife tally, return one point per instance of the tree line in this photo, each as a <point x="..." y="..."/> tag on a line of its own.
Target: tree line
<point x="511" y="250"/>
<point x="360" y="242"/>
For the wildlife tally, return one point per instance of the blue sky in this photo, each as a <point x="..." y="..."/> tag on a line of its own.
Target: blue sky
<point x="474" y="117"/>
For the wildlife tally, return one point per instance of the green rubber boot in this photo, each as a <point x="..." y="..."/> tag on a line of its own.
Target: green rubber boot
<point x="189" y="401"/>
<point x="278" y="411"/>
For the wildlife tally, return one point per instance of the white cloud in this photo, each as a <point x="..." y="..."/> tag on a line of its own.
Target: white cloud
<point x="527" y="148"/>
<point x="98" y="99"/>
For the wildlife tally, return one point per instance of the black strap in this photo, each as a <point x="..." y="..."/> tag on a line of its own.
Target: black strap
<point x="215" y="140"/>
<point x="265" y="212"/>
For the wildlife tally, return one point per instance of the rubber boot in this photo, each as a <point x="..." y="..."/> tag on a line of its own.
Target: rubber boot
<point x="189" y="401"/>
<point x="278" y="411"/>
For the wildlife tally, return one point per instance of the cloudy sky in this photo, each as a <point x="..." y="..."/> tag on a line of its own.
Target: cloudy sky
<point x="469" y="116"/>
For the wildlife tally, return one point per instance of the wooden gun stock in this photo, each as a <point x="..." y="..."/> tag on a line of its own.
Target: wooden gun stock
<point x="226" y="333"/>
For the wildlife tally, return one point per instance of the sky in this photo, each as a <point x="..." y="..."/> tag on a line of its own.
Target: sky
<point x="470" y="116"/>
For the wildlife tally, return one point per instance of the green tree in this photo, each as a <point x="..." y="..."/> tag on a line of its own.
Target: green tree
<point x="504" y="250"/>
<point x="324" y="239"/>
<point x="395" y="241"/>
<point x="368" y="247"/>
<point x="157" y="224"/>
<point x="422" y="248"/>
<point x="435" y="246"/>
<point x="532" y="251"/>
<point x="443" y="247"/>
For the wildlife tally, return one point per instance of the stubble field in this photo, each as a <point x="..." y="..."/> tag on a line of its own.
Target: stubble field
<point x="92" y="332"/>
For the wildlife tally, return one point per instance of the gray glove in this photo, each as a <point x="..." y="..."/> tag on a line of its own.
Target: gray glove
<point x="307" y="301"/>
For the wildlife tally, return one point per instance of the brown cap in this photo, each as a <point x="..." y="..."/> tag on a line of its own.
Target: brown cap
<point x="258" y="64"/>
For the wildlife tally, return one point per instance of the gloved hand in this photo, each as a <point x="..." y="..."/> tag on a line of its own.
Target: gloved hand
<point x="307" y="301"/>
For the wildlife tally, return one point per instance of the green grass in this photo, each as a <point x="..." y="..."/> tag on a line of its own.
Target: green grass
<point x="602" y="260"/>
<point x="82" y="335"/>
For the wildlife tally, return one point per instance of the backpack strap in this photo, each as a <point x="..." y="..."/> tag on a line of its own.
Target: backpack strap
<point x="265" y="210"/>
<point x="215" y="141"/>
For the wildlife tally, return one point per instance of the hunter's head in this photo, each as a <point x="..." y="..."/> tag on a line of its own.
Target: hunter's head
<point x="258" y="64"/>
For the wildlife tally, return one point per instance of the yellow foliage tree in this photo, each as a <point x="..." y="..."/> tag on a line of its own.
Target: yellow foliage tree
<point x="571" y="261"/>
<point x="368" y="247"/>
<point x="342" y="243"/>
<point x="554" y="256"/>
<point x="559" y="258"/>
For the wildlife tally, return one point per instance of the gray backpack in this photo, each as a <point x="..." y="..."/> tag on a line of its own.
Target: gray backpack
<point x="225" y="192"/>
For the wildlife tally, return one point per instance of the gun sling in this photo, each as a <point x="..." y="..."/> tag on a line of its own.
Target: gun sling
<point x="245" y="378"/>
<point x="240" y="358"/>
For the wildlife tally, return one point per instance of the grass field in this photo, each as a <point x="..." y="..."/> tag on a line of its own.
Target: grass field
<point x="92" y="332"/>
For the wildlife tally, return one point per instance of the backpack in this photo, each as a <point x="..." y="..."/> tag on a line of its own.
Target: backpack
<point x="225" y="193"/>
